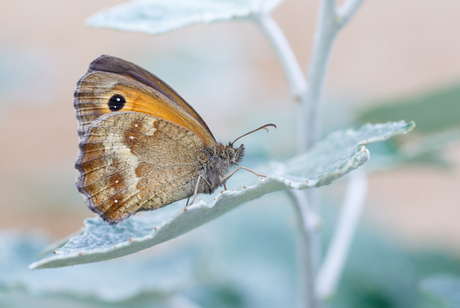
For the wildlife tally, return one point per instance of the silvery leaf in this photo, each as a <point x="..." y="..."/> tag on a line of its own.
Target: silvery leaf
<point x="160" y="16"/>
<point x="444" y="287"/>
<point x="335" y="156"/>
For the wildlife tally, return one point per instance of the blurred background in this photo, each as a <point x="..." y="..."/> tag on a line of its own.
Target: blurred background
<point x="395" y="60"/>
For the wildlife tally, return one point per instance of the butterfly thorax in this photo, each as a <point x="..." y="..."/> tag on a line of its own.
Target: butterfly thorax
<point x="220" y="161"/>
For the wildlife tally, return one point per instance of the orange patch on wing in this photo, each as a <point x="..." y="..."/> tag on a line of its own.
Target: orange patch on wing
<point x="114" y="202"/>
<point x="143" y="168"/>
<point x="92" y="171"/>
<point x="117" y="181"/>
<point x="131" y="139"/>
<point x="115" y="207"/>
<point x="93" y="102"/>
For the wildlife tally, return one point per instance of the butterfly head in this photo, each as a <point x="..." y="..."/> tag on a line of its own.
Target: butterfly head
<point x="235" y="155"/>
<point x="232" y="154"/>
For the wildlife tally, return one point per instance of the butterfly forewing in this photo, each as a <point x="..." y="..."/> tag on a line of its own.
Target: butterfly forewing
<point x="130" y="161"/>
<point x="113" y="85"/>
<point x="106" y="63"/>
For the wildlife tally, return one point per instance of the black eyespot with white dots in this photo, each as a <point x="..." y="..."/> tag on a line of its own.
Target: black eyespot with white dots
<point x="116" y="102"/>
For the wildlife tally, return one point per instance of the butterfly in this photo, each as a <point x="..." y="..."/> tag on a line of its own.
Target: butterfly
<point x="141" y="145"/>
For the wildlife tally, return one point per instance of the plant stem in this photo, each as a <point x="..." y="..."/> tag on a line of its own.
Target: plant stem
<point x="331" y="270"/>
<point x="330" y="21"/>
<point x="326" y="30"/>
<point x="307" y="229"/>
<point x="307" y="223"/>
<point x="310" y="120"/>
<point x="347" y="11"/>
<point x="328" y="25"/>
<point x="286" y="56"/>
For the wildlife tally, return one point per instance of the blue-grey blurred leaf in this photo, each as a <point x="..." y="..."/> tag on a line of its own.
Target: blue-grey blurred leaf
<point x="160" y="16"/>
<point x="445" y="287"/>
<point x="332" y="158"/>
<point x="247" y="259"/>
<point x="424" y="150"/>
<point x="380" y="273"/>
<point x="432" y="111"/>
<point x="254" y="260"/>
<point x="114" y="281"/>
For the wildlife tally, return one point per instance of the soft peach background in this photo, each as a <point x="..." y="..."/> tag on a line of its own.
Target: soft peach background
<point x="390" y="48"/>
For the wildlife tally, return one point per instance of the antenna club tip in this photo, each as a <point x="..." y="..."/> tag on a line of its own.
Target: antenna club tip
<point x="267" y="125"/>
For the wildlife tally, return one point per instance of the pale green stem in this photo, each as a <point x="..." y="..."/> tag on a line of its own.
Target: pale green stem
<point x="298" y="86"/>
<point x="286" y="56"/>
<point x="347" y="11"/>
<point x="337" y="253"/>
<point x="326" y="30"/>
<point x="307" y="223"/>
<point x="329" y="23"/>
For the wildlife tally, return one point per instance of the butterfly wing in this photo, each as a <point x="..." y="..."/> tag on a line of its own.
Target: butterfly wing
<point x="113" y="85"/>
<point x="130" y="161"/>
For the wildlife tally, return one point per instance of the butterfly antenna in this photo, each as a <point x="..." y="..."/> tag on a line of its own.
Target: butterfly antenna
<point x="262" y="127"/>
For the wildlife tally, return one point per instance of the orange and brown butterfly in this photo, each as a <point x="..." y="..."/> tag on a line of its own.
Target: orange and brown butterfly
<point x="141" y="145"/>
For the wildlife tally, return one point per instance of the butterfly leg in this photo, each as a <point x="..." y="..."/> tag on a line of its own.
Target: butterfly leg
<point x="225" y="178"/>
<point x="197" y="185"/>
<point x="188" y="199"/>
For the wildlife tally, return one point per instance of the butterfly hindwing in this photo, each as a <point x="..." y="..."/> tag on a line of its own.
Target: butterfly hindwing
<point x="130" y="161"/>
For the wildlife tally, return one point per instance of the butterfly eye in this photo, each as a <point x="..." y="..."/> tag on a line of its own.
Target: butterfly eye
<point x="116" y="102"/>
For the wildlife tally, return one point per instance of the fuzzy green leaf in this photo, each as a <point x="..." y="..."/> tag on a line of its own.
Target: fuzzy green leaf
<point x="446" y="288"/>
<point x="434" y="110"/>
<point x="160" y="16"/>
<point x="163" y="277"/>
<point x="338" y="154"/>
